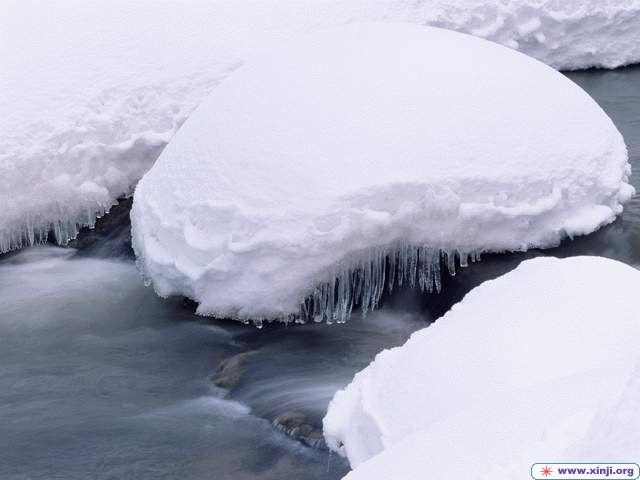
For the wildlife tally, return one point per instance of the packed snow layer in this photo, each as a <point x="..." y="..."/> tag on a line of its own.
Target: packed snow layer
<point x="539" y="365"/>
<point x="363" y="147"/>
<point x="91" y="92"/>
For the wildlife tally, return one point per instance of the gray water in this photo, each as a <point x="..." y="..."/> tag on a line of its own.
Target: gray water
<point x="101" y="379"/>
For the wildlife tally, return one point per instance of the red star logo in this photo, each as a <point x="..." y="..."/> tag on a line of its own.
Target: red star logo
<point x="546" y="471"/>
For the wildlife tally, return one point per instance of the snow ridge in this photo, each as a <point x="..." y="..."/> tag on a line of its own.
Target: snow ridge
<point x="568" y="35"/>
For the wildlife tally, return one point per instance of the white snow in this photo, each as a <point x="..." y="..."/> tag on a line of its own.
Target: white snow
<point x="539" y="365"/>
<point x="327" y="155"/>
<point x="566" y="34"/>
<point x="91" y="92"/>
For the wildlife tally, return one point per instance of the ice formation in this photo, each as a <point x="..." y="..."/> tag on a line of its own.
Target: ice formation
<point x="540" y="364"/>
<point x="365" y="149"/>
<point x="91" y="94"/>
<point x="366" y="277"/>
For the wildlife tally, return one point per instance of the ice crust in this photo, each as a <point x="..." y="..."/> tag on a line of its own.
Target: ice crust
<point x="91" y="92"/>
<point x="320" y="167"/>
<point x="540" y="364"/>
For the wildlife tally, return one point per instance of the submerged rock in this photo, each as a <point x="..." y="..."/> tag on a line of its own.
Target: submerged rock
<point x="295" y="425"/>
<point x="230" y="370"/>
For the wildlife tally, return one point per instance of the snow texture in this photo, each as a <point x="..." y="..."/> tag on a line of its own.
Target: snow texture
<point x="355" y="157"/>
<point x="539" y="365"/>
<point x="91" y="92"/>
<point x="566" y="34"/>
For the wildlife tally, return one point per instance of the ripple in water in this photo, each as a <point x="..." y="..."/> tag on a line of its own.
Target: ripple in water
<point x="101" y="379"/>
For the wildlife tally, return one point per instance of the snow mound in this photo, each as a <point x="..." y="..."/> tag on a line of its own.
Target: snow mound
<point x="351" y="159"/>
<point x="91" y="92"/>
<point x="538" y="365"/>
<point x="565" y="34"/>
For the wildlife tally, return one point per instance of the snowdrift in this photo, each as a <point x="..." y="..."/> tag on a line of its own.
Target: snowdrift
<point x="539" y="365"/>
<point x="566" y="34"/>
<point x="335" y="166"/>
<point x="91" y="93"/>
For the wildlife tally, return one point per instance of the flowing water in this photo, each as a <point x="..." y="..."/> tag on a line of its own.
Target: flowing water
<point x="101" y="379"/>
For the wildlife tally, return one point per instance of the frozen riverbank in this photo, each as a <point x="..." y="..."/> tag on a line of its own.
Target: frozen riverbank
<point x="88" y="105"/>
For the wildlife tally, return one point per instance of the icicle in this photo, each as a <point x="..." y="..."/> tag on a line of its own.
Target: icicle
<point x="437" y="276"/>
<point x="382" y="262"/>
<point x="392" y="270"/>
<point x="376" y="271"/>
<point x="413" y="266"/>
<point x="401" y="264"/>
<point x="317" y="311"/>
<point x="331" y="300"/>
<point x="463" y="256"/>
<point x="358" y="283"/>
<point x="366" y="288"/>
<point x="451" y="261"/>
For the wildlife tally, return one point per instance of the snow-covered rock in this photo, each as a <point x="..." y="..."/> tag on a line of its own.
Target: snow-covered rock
<point x="539" y="365"/>
<point x="91" y="92"/>
<point x="319" y="160"/>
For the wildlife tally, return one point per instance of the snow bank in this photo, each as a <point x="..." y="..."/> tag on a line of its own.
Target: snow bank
<point x="566" y="34"/>
<point x="91" y="92"/>
<point x="365" y="150"/>
<point x="538" y="365"/>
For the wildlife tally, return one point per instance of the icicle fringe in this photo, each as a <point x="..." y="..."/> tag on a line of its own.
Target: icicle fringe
<point x="35" y="231"/>
<point x="363" y="283"/>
